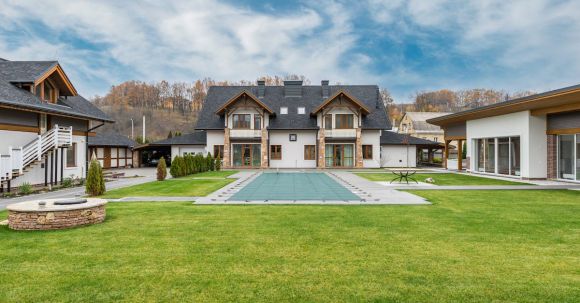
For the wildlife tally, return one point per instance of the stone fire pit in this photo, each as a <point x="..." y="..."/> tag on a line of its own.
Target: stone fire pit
<point x="56" y="213"/>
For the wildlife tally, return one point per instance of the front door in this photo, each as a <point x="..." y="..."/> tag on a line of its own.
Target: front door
<point x="339" y="155"/>
<point x="107" y="158"/>
<point x="246" y="155"/>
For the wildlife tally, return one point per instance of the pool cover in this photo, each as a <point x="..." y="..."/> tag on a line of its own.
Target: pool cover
<point x="293" y="186"/>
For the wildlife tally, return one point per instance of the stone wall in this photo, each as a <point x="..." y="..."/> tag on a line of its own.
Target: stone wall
<point x="19" y="220"/>
<point x="227" y="157"/>
<point x="321" y="149"/>
<point x="358" y="148"/>
<point x="264" y="149"/>
<point x="552" y="157"/>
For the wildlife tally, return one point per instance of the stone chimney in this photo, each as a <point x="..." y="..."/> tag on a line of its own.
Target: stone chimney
<point x="293" y="88"/>
<point x="261" y="88"/>
<point x="325" y="89"/>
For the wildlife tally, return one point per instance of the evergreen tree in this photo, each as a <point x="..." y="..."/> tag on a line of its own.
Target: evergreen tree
<point x="95" y="185"/>
<point x="161" y="169"/>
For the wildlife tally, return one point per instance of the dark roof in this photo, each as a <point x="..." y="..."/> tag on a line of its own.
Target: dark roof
<point x="195" y="138"/>
<point x="392" y="138"/>
<point x="458" y="115"/>
<point x="310" y="99"/>
<point x="27" y="71"/>
<point x="111" y="139"/>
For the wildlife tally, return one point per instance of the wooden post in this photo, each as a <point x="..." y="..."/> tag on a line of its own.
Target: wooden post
<point x="459" y="155"/>
<point x="445" y="153"/>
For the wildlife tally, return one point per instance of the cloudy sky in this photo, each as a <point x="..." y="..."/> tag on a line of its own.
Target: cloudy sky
<point x="405" y="46"/>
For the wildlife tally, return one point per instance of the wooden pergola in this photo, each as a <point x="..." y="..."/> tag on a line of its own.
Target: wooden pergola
<point x="460" y="140"/>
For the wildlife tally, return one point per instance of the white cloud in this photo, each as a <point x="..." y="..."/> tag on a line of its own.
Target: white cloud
<point x="183" y="40"/>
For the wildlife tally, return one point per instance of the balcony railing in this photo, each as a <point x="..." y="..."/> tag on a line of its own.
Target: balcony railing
<point x="340" y="133"/>
<point x="245" y="133"/>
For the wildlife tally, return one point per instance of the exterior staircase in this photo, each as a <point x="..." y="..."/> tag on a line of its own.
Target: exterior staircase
<point x="19" y="160"/>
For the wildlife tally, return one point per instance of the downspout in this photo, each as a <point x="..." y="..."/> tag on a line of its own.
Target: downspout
<point x="87" y="147"/>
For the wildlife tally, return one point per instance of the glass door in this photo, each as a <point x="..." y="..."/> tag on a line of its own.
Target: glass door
<point x="566" y="157"/>
<point x="578" y="157"/>
<point x="339" y="155"/>
<point x="246" y="155"/>
<point x="43" y="123"/>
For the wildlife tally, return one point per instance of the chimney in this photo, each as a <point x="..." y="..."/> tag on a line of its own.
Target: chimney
<point x="293" y="88"/>
<point x="325" y="89"/>
<point x="261" y="88"/>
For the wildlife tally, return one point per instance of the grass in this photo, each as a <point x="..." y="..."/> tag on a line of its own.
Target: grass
<point x="212" y="174"/>
<point x="170" y="187"/>
<point x="443" y="179"/>
<point x="476" y="246"/>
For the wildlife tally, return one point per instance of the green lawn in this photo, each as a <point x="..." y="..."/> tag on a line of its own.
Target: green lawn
<point x="443" y="179"/>
<point x="475" y="246"/>
<point x="170" y="187"/>
<point x="212" y="174"/>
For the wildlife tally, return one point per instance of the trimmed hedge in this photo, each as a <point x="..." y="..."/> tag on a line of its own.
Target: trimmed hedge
<point x="191" y="164"/>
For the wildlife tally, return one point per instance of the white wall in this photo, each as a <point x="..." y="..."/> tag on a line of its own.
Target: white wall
<point x="35" y="174"/>
<point x="182" y="149"/>
<point x="397" y="155"/>
<point x="214" y="137"/>
<point x="372" y="137"/>
<point x="293" y="152"/>
<point x="530" y="129"/>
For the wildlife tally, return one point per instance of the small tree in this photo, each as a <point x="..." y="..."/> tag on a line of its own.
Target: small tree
<point x="176" y="169"/>
<point x="170" y="135"/>
<point x="209" y="162"/>
<point x="218" y="164"/>
<point x="95" y="185"/>
<point x="464" y="151"/>
<point x="161" y="169"/>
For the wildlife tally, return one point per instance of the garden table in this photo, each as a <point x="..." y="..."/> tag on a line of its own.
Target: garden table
<point x="404" y="174"/>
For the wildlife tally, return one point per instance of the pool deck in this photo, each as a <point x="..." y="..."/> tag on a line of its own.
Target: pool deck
<point x="369" y="192"/>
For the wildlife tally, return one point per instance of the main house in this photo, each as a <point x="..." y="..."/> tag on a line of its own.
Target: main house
<point x="44" y="124"/>
<point x="535" y="137"/>
<point x="295" y="125"/>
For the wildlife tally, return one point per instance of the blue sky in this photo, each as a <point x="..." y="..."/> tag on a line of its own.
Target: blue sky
<point x="404" y="46"/>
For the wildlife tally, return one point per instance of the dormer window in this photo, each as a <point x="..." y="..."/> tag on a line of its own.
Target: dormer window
<point x="344" y="121"/>
<point x="283" y="110"/>
<point x="49" y="92"/>
<point x="301" y="110"/>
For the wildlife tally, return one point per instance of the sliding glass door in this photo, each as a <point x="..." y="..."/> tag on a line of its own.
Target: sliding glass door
<point x="246" y="155"/>
<point x="566" y="157"/>
<point x="498" y="155"/>
<point x="339" y="155"/>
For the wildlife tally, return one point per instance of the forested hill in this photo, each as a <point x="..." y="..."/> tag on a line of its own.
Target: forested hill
<point x="173" y="107"/>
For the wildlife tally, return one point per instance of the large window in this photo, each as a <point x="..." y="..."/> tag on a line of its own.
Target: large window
<point x="578" y="157"/>
<point x="505" y="149"/>
<point x="344" y="121"/>
<point x="276" y="152"/>
<point x="242" y="121"/>
<point x="309" y="152"/>
<point x="328" y="121"/>
<point x="218" y="151"/>
<point x="367" y="152"/>
<point x="71" y="155"/>
<point x="566" y="157"/>
<point x="257" y="122"/>
<point x="246" y="155"/>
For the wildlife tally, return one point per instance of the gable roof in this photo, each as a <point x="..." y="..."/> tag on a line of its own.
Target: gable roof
<point x="337" y="94"/>
<point x="310" y="99"/>
<point x="28" y="72"/>
<point x="392" y="138"/>
<point x="111" y="139"/>
<point x="235" y="98"/>
<point x="195" y="138"/>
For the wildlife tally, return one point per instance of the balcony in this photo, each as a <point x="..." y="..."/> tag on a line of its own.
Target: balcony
<point x="245" y="133"/>
<point x="340" y="133"/>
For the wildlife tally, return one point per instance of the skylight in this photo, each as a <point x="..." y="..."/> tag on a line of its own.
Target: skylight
<point x="283" y="110"/>
<point x="301" y="110"/>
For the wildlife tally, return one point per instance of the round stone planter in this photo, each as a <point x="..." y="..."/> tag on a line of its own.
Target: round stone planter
<point x="55" y="214"/>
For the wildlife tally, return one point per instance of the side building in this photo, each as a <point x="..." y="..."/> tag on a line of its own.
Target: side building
<point x="535" y="137"/>
<point x="44" y="124"/>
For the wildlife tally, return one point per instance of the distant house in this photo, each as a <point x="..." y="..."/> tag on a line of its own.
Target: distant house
<point x="44" y="124"/>
<point x="416" y="125"/>
<point x="112" y="150"/>
<point x="534" y="137"/>
<point x="400" y="150"/>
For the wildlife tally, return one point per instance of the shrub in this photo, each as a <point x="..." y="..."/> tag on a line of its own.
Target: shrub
<point x="25" y="188"/>
<point x="95" y="185"/>
<point x="161" y="169"/>
<point x="175" y="167"/>
<point x="209" y="162"/>
<point x="67" y="182"/>
<point x="218" y="164"/>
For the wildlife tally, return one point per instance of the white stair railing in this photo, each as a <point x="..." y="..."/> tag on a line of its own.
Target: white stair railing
<point x="19" y="158"/>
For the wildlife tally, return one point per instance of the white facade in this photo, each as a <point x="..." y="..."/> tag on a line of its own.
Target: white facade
<point x="181" y="150"/>
<point x="398" y="156"/>
<point x="35" y="173"/>
<point x="292" y="151"/>
<point x="372" y="137"/>
<point x="214" y="137"/>
<point x="530" y="129"/>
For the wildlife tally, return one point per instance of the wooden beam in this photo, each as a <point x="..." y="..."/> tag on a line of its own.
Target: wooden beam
<point x="567" y="131"/>
<point x="460" y="155"/>
<point x="446" y="153"/>
<point x="19" y="128"/>
<point x="452" y="138"/>
<point x="556" y="109"/>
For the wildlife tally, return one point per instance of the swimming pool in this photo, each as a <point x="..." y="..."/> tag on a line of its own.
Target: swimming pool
<point x="294" y="186"/>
